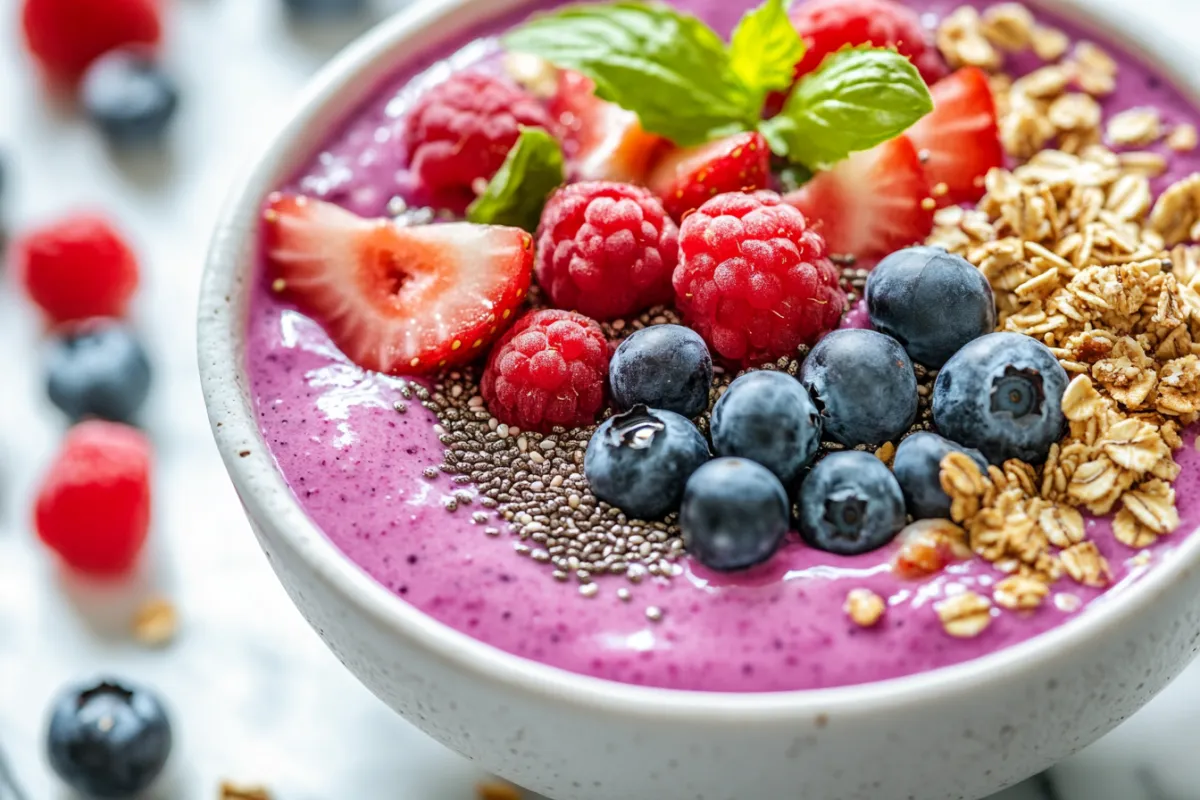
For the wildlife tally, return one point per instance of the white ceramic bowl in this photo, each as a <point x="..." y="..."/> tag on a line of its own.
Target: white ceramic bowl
<point x="959" y="732"/>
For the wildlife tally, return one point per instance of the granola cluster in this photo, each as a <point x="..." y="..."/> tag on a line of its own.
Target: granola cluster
<point x="1083" y="258"/>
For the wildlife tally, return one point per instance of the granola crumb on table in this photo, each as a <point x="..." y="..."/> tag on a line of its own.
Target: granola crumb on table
<point x="1083" y="258"/>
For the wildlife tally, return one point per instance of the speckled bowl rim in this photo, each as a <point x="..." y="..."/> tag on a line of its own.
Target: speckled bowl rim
<point x="337" y="91"/>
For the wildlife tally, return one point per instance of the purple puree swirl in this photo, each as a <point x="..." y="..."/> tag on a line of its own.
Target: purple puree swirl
<point x="356" y="467"/>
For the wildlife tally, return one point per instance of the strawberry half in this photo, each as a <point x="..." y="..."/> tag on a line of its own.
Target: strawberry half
<point x="871" y="204"/>
<point x="686" y="178"/>
<point x="959" y="140"/>
<point x="402" y="300"/>
<point x="603" y="141"/>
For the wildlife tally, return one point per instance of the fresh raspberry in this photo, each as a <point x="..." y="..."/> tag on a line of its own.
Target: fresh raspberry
<point x="548" y="369"/>
<point x="460" y="131"/>
<point x="66" y="36"/>
<point x="606" y="249"/>
<point x="753" y="279"/>
<point x="93" y="508"/>
<point x="77" y="268"/>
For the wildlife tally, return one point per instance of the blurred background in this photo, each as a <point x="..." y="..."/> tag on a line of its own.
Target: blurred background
<point x="254" y="697"/>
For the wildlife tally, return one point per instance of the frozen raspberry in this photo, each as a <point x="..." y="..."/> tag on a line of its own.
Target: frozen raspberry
<point x="93" y="508"/>
<point x="66" y="36"/>
<point x="606" y="249"/>
<point x="460" y="131"/>
<point x="77" y="268"/>
<point x="753" y="279"/>
<point x="549" y="369"/>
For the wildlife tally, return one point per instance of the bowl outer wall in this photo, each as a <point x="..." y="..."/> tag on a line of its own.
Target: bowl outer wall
<point x="962" y="731"/>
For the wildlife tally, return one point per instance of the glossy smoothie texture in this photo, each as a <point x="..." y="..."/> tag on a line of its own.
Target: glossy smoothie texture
<point x="356" y="466"/>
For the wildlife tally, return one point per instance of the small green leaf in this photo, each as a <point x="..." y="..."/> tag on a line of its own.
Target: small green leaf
<point x="856" y="100"/>
<point x="766" y="48"/>
<point x="667" y="67"/>
<point x="517" y="193"/>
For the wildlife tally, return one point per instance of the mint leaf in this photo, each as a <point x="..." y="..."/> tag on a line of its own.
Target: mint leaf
<point x="669" y="68"/>
<point x="856" y="100"/>
<point x="766" y="48"/>
<point x="517" y="193"/>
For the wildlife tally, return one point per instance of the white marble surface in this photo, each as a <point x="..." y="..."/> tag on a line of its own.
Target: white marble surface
<point x="254" y="694"/>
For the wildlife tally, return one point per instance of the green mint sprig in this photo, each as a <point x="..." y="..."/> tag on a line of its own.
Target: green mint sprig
<point x="687" y="85"/>
<point x="517" y="193"/>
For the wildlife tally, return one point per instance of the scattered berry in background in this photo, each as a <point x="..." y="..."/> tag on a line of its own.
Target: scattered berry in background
<point x="606" y="249"/>
<point x="93" y="506"/>
<point x="918" y="467"/>
<point x="662" y="366"/>
<point x="325" y="9"/>
<point x="460" y="131"/>
<point x="98" y="369"/>
<point x="1002" y="394"/>
<point x="549" y="369"/>
<point x="931" y="302"/>
<point x="108" y="740"/>
<point x="864" y="384"/>
<point x="686" y="178"/>
<point x="640" y="460"/>
<point x="128" y="96"/>
<point x="394" y="298"/>
<point x="871" y="204"/>
<point x="66" y="36"/>
<point x="77" y="268"/>
<point x="754" y="280"/>
<point x="959" y="141"/>
<point x="830" y="25"/>
<point x="735" y="514"/>
<point x="602" y="141"/>
<point x="850" y="503"/>
<point x="768" y="418"/>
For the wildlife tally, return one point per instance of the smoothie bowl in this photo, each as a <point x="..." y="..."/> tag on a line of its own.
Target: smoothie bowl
<point x="710" y="400"/>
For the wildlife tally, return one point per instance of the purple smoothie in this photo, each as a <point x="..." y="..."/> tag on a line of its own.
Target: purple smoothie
<point x="356" y="466"/>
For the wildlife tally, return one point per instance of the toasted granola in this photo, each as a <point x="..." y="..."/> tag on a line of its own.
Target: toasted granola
<point x="864" y="607"/>
<point x="966" y="615"/>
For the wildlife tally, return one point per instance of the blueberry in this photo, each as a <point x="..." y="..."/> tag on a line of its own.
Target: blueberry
<point x="129" y="97"/>
<point x="918" y="467"/>
<point x="930" y="301"/>
<point x="850" y="503"/>
<point x="325" y="8"/>
<point x="99" y="370"/>
<point x="641" y="460"/>
<point x="768" y="417"/>
<point x="108" y="740"/>
<point x="863" y="383"/>
<point x="735" y="514"/>
<point x="1002" y="394"/>
<point x="663" y="366"/>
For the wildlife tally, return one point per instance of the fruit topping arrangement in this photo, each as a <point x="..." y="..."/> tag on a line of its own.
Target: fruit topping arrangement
<point x="665" y="234"/>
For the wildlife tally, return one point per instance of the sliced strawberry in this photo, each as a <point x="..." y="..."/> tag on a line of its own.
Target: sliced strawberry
<point x="403" y="300"/>
<point x="604" y="142"/>
<point x="687" y="177"/>
<point x="871" y="204"/>
<point x="959" y="141"/>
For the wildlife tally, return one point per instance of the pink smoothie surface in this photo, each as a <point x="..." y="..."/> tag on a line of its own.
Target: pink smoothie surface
<point x="356" y="466"/>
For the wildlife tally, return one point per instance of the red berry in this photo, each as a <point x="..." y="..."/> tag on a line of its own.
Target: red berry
<point x="959" y="141"/>
<point x="395" y="298"/>
<point x="831" y="25"/>
<point x="66" y="36"/>
<point x="77" y="268"/>
<point x="686" y="178"/>
<point x="871" y="204"/>
<point x="460" y="131"/>
<point x="549" y="369"/>
<point x="93" y="508"/>
<point x="754" y="280"/>
<point x="603" y="141"/>
<point x="606" y="249"/>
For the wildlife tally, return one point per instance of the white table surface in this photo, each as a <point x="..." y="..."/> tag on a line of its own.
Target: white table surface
<point x="255" y="696"/>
